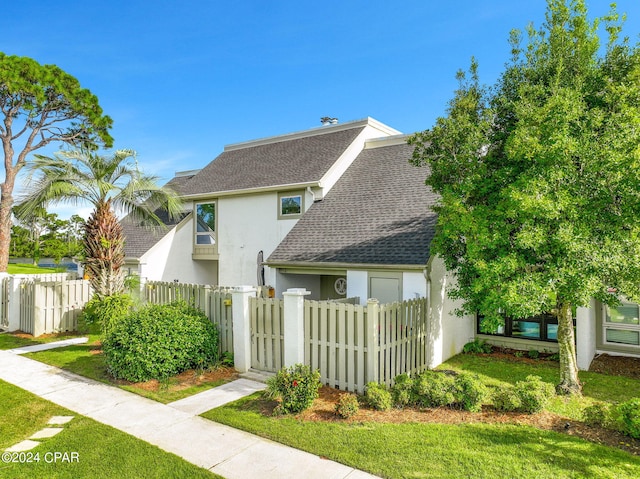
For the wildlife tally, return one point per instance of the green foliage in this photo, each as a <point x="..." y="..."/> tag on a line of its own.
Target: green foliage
<point x="402" y="391"/>
<point x="226" y="359"/>
<point x="470" y="392"/>
<point x="106" y="311"/>
<point x="533" y="354"/>
<point x="296" y="387"/>
<point x="434" y="389"/>
<point x="159" y="341"/>
<point x="347" y="406"/>
<point x="598" y="414"/>
<point x="534" y="394"/>
<point x="530" y="395"/>
<point x="538" y="211"/>
<point x="378" y="397"/>
<point x="477" y="346"/>
<point x="630" y="416"/>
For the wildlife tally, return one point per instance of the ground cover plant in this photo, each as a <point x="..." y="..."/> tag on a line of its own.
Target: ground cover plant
<point x="102" y="450"/>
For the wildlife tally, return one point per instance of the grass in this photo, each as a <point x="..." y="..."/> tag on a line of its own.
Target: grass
<point x="452" y="451"/>
<point x="31" y="269"/>
<point x="435" y="450"/>
<point x="86" y="360"/>
<point x="11" y="341"/>
<point x="102" y="450"/>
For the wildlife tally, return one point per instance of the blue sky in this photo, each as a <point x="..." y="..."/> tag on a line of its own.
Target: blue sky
<point x="183" y="78"/>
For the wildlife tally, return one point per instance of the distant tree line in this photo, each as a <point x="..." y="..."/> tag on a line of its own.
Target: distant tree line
<point x="47" y="236"/>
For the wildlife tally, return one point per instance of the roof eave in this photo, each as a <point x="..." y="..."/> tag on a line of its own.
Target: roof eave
<point x="252" y="191"/>
<point x="342" y="265"/>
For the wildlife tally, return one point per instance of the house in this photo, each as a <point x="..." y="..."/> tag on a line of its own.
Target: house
<point x="337" y="210"/>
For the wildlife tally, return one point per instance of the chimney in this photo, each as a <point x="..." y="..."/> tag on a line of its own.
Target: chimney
<point x="326" y="120"/>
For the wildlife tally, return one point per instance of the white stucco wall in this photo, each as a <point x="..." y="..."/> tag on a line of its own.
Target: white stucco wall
<point x="448" y="333"/>
<point x="414" y="285"/>
<point x="170" y="259"/>
<point x="246" y="225"/>
<point x="358" y="285"/>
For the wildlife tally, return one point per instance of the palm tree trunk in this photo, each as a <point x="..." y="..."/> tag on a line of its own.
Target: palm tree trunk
<point x="569" y="382"/>
<point x="104" y="251"/>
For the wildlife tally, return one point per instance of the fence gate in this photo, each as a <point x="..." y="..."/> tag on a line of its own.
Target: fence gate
<point x="267" y="334"/>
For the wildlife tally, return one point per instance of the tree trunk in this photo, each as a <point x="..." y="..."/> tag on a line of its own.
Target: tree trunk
<point x="569" y="382"/>
<point x="6" y="204"/>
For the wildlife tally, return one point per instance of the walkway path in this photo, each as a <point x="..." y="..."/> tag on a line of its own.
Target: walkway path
<point x="174" y="428"/>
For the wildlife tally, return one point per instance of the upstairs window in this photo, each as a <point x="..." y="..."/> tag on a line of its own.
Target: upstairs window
<point x="290" y="205"/>
<point x="206" y="224"/>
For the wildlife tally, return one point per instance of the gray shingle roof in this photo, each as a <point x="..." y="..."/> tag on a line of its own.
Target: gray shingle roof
<point x="139" y="238"/>
<point x="377" y="213"/>
<point x="284" y="162"/>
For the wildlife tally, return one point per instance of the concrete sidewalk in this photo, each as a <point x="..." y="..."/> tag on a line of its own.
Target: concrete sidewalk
<point x="174" y="428"/>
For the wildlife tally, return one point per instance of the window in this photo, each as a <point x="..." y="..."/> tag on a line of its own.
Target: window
<point x="621" y="324"/>
<point x="290" y="205"/>
<point x="543" y="327"/>
<point x="206" y="224"/>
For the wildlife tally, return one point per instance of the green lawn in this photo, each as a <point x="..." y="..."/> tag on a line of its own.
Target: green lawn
<point x="83" y="360"/>
<point x="31" y="269"/>
<point x="435" y="450"/>
<point x="11" y="341"/>
<point x="454" y="451"/>
<point x="102" y="451"/>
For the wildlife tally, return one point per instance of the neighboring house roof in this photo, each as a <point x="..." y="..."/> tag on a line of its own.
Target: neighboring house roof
<point x="140" y="238"/>
<point x="285" y="160"/>
<point x="379" y="212"/>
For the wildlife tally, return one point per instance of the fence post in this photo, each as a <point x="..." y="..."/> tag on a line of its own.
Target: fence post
<point x="373" y="322"/>
<point x="294" y="326"/>
<point x="242" y="326"/>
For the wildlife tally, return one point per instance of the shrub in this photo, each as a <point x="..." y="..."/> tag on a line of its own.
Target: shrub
<point x="106" y="311"/>
<point x="630" y="416"/>
<point x="534" y="394"/>
<point x="402" y="391"/>
<point x="530" y="395"/>
<point x="159" y="341"/>
<point x="377" y="396"/>
<point x="469" y="392"/>
<point x="533" y="354"/>
<point x="347" y="406"/>
<point x="598" y="414"/>
<point x="434" y="389"/>
<point x="477" y="347"/>
<point x="506" y="398"/>
<point x="296" y="387"/>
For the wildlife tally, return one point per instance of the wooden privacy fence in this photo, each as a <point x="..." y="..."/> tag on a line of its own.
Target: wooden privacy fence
<point x="214" y="301"/>
<point x="51" y="305"/>
<point x="267" y="334"/>
<point x="349" y="344"/>
<point x="352" y="345"/>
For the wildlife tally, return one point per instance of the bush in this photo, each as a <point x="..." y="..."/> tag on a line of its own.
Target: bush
<point x="160" y="341"/>
<point x="534" y="394"/>
<point x="434" y="389"/>
<point x="530" y="395"/>
<point x="377" y="396"/>
<point x="296" y="388"/>
<point x="598" y="414"/>
<point x="106" y="311"/>
<point x="533" y="354"/>
<point x="402" y="391"/>
<point x="630" y="416"/>
<point x="506" y="398"/>
<point x="347" y="406"/>
<point x="469" y="392"/>
<point x="477" y="347"/>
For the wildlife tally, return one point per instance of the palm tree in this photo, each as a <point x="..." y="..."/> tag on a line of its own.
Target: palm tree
<point x="112" y="185"/>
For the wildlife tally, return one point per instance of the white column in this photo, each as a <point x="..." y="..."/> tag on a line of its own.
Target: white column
<point x="13" y="308"/>
<point x="242" y="326"/>
<point x="294" y="325"/>
<point x="586" y="335"/>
